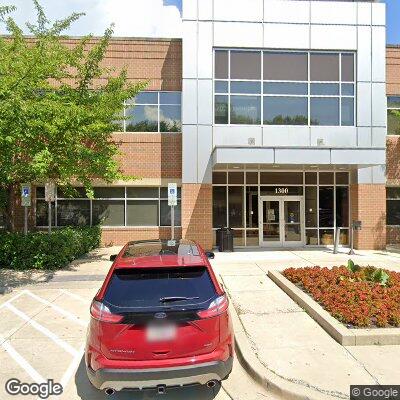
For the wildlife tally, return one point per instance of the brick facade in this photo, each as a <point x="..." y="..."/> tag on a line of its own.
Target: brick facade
<point x="197" y="213"/>
<point x="368" y="204"/>
<point x="393" y="70"/>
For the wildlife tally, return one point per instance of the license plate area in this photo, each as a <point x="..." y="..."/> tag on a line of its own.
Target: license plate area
<point x="165" y="332"/>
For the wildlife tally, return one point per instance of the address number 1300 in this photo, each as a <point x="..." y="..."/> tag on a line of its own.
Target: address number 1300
<point x="281" y="190"/>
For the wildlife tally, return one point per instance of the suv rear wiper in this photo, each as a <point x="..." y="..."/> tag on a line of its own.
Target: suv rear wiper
<point x="176" y="298"/>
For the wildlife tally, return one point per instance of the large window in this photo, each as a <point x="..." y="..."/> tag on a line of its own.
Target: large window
<point x="393" y="206"/>
<point x="284" y="88"/>
<point x="326" y="195"/>
<point x="111" y="206"/>
<point x="393" y="115"/>
<point x="153" y="112"/>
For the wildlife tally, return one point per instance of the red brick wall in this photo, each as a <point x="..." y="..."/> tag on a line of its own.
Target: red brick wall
<point x="197" y="213"/>
<point x="151" y="155"/>
<point x="393" y="70"/>
<point x="368" y="204"/>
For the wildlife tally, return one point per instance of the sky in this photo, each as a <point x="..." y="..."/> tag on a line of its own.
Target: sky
<point x="153" y="18"/>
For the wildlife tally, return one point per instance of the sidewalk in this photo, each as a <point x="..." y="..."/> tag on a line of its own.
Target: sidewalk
<point x="290" y="344"/>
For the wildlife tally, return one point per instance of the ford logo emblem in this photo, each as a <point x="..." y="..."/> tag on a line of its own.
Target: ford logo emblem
<point x="160" y="315"/>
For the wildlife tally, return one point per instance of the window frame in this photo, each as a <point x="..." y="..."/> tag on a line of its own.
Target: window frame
<point x="125" y="199"/>
<point x="308" y="96"/>
<point x="391" y="199"/>
<point x="388" y="109"/>
<point x="132" y="103"/>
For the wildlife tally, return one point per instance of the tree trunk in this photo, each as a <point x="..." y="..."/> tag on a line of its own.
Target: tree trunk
<point x="10" y="210"/>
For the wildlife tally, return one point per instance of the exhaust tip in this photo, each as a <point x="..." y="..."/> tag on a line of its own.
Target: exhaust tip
<point x="211" y="384"/>
<point x="109" y="391"/>
<point x="161" y="389"/>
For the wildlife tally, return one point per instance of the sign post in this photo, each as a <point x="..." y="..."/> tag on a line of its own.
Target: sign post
<point x="50" y="195"/>
<point x="26" y="202"/>
<point x="172" y="202"/>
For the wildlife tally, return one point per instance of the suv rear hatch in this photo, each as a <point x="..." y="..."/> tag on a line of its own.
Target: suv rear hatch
<point x="159" y="309"/>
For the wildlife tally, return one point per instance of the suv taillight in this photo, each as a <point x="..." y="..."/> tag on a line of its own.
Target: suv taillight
<point x="102" y="313"/>
<point x="217" y="307"/>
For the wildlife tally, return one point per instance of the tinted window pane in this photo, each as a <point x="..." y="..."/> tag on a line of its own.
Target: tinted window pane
<point x="293" y="178"/>
<point x="252" y="178"/>
<point x="326" y="237"/>
<point x="221" y="64"/>
<point x="221" y="87"/>
<point x="219" y="206"/>
<point x="342" y="206"/>
<point x="236" y="177"/>
<point x="347" y="89"/>
<point x="312" y="237"/>
<point x="285" y="88"/>
<point x="347" y="67"/>
<point x="42" y="212"/>
<point x="73" y="212"/>
<point x="219" y="177"/>
<point x="393" y="101"/>
<point x="325" y="89"/>
<point x="236" y="205"/>
<point x="347" y="111"/>
<point x="326" y="178"/>
<point x="142" y="213"/>
<point x="245" y="65"/>
<point x="325" y="111"/>
<point x="285" y="111"/>
<point x="165" y="214"/>
<point x="285" y="66"/>
<point x="143" y="288"/>
<point x="109" y="192"/>
<point x="325" y="206"/>
<point x="147" y="98"/>
<point x="170" y="97"/>
<point x="252" y="206"/>
<point x="393" y="212"/>
<point x="75" y="192"/>
<point x="245" y="110"/>
<point x="142" y="119"/>
<point x="108" y="212"/>
<point x="311" y="206"/>
<point x="170" y="118"/>
<point x="393" y="193"/>
<point x="311" y="178"/>
<point x="393" y="122"/>
<point x="342" y="178"/>
<point x="142" y="192"/>
<point x="246" y="87"/>
<point x="221" y="109"/>
<point x="324" y="67"/>
<point x="40" y="192"/>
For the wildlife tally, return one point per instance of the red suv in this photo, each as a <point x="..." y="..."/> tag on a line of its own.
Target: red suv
<point x="160" y="319"/>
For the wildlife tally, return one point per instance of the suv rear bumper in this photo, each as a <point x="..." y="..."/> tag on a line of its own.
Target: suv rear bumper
<point x="119" y="379"/>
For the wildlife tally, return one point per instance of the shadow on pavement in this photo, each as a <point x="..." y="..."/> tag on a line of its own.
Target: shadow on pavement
<point x="86" y="391"/>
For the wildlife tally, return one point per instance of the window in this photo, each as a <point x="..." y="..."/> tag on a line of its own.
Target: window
<point x="393" y="206"/>
<point x="393" y="115"/>
<point x="284" y="88"/>
<point x="153" y="112"/>
<point x="111" y="206"/>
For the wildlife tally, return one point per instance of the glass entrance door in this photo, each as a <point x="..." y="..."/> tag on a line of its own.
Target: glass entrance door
<point x="281" y="221"/>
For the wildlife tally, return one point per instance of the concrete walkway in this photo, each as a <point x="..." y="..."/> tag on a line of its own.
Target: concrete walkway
<point x="285" y="339"/>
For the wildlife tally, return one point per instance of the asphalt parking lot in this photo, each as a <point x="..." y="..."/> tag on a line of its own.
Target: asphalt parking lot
<point x="43" y="332"/>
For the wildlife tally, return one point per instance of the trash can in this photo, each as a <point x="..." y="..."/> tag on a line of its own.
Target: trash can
<point x="225" y="239"/>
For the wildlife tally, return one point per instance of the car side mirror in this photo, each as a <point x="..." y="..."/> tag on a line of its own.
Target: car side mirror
<point x="113" y="257"/>
<point x="210" y="255"/>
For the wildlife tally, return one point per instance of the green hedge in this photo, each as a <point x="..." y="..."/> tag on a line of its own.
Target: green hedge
<point x="40" y="250"/>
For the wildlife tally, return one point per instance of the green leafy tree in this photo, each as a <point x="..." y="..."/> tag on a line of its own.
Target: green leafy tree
<point x="59" y="106"/>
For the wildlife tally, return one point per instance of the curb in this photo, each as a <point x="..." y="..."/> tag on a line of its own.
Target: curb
<point x="263" y="376"/>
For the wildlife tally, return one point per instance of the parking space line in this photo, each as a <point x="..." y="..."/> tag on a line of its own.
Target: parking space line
<point x="12" y="298"/>
<point x="22" y="362"/>
<point x="67" y="314"/>
<point x="72" y="367"/>
<point x="74" y="296"/>
<point x="68" y="348"/>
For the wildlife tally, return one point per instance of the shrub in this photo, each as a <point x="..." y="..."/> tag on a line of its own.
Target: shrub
<point x="40" y="250"/>
<point x="363" y="296"/>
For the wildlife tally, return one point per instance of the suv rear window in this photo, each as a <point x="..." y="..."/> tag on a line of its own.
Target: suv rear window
<point x="144" y="288"/>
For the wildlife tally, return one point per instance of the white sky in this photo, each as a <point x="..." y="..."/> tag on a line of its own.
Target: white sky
<point x="131" y="17"/>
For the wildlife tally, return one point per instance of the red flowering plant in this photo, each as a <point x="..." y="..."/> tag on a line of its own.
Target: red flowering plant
<point x="356" y="296"/>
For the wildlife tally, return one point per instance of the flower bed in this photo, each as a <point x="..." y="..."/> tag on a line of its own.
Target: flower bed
<point x="367" y="297"/>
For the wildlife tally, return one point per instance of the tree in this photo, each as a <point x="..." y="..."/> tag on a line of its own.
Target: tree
<point x="56" y="115"/>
